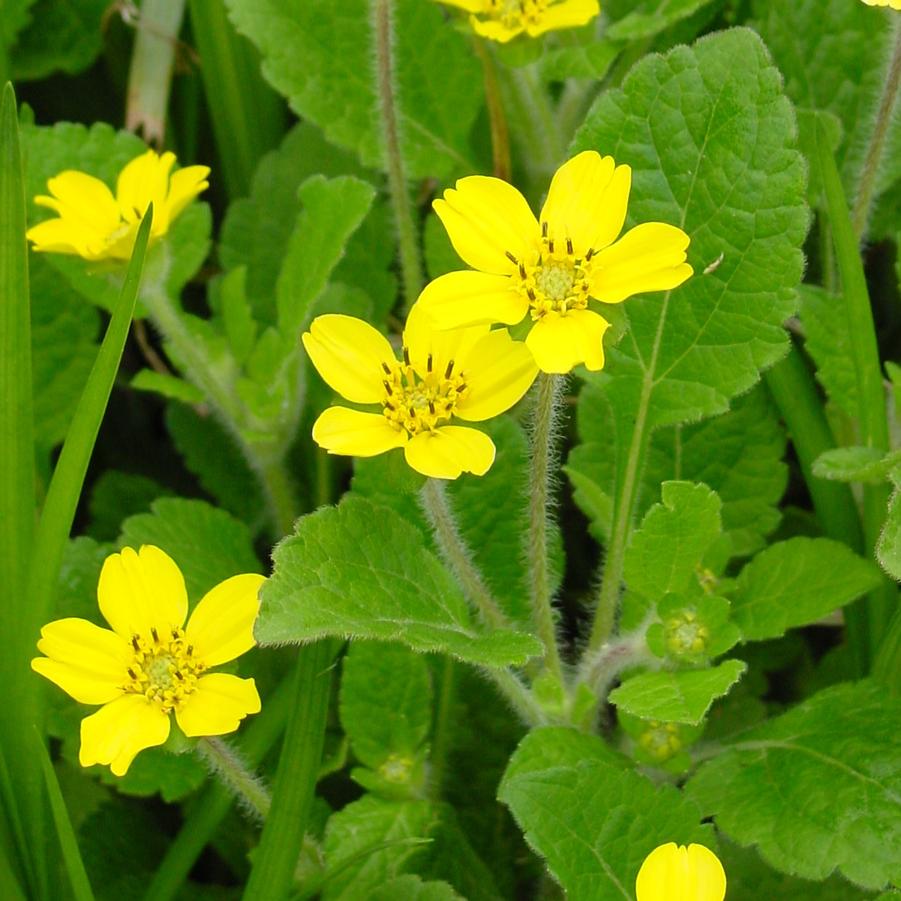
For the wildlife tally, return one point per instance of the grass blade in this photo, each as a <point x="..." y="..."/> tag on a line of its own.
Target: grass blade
<point x="78" y="877"/>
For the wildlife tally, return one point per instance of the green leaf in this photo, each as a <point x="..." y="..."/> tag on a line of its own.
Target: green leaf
<point x="65" y="37"/>
<point x="592" y="819"/>
<point x="412" y="888"/>
<point x="710" y="138"/>
<point x="815" y="789"/>
<point x="855" y="464"/>
<point x="15" y="17"/>
<point x="332" y="211"/>
<point x="665" y="553"/>
<point x="320" y="58"/>
<point x="647" y="18"/>
<point x="169" y="386"/>
<point x="796" y="582"/>
<point x="386" y="701"/>
<point x="361" y="571"/>
<point x="679" y="697"/>
<point x="888" y="548"/>
<point x="208" y="545"/>
<point x="833" y="55"/>
<point x="739" y="455"/>
<point x="116" y="495"/>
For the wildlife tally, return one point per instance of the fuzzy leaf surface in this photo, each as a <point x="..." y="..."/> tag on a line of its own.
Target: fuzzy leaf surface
<point x="677" y="697"/>
<point x="817" y="789"/>
<point x="709" y="136"/>
<point x="795" y="582"/>
<point x="320" y="56"/>
<point x="362" y="571"/>
<point x="590" y="817"/>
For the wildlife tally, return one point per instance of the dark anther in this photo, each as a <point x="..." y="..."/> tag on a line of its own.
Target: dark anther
<point x="511" y="258"/>
<point x="179" y="676"/>
<point x="155" y="634"/>
<point x="432" y="407"/>
<point x="428" y="363"/>
<point x="190" y="650"/>
<point x="569" y="246"/>
<point x="550" y="246"/>
<point x="133" y="674"/>
<point x="531" y="294"/>
<point x="390" y="406"/>
<point x="522" y="270"/>
<point x="175" y="634"/>
<point x="590" y="254"/>
<point x="544" y="229"/>
<point x="407" y="355"/>
<point x="449" y="370"/>
<point x="135" y="643"/>
<point x="412" y="412"/>
<point x="387" y="368"/>
<point x="387" y="385"/>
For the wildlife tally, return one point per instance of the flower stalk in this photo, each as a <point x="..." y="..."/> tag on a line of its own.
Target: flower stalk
<point x="404" y="218"/>
<point x="545" y="424"/>
<point x="244" y="784"/>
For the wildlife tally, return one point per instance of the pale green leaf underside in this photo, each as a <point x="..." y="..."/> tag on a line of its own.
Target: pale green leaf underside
<point x="816" y="789"/>
<point x="795" y="582"/>
<point x="677" y="697"/>
<point x="592" y="819"/>
<point x="319" y="54"/>
<point x="710" y="137"/>
<point x="362" y="571"/>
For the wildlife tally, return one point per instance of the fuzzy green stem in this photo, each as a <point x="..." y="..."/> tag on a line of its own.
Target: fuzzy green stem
<point x="546" y="414"/>
<point x="457" y="555"/>
<point x="871" y="399"/>
<point x="870" y="171"/>
<point x="404" y="219"/>
<point x="497" y="119"/>
<point x="598" y="670"/>
<point x="227" y="764"/>
<point x="272" y="876"/>
<point x="518" y="695"/>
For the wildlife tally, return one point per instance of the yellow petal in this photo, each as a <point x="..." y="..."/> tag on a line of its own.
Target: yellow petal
<point x="498" y="372"/>
<point x="141" y="591"/>
<point x="472" y="298"/>
<point x="119" y="730"/>
<point x="569" y="14"/>
<point x="217" y="705"/>
<point x="587" y="201"/>
<point x="471" y="6"/>
<point x="59" y="236"/>
<point x="184" y="186"/>
<point x="221" y="626"/>
<point x="85" y="661"/>
<point x="559" y="343"/>
<point x="349" y="355"/>
<point x="450" y="451"/>
<point x="892" y="4"/>
<point x="649" y="257"/>
<point x="423" y="340"/>
<point x="143" y="181"/>
<point x="83" y="199"/>
<point x="671" y="873"/>
<point x="352" y="433"/>
<point x="486" y="219"/>
<point x="495" y="30"/>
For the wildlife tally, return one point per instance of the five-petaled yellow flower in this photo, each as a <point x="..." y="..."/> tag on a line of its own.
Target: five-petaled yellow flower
<point x="151" y="664"/>
<point x="97" y="226"/>
<point x="671" y="873"/>
<point x="892" y="4"/>
<point x="470" y="374"/>
<point x="550" y="267"/>
<point x="503" y="20"/>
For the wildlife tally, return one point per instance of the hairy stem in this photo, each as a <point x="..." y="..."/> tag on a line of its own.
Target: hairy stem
<point x="228" y="765"/>
<point x="457" y="555"/>
<point x="547" y="412"/>
<point x="599" y="669"/>
<point x="497" y="119"/>
<point x="870" y="172"/>
<point x="519" y="696"/>
<point x="404" y="219"/>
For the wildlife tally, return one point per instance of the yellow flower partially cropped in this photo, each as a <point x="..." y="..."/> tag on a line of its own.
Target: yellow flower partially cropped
<point x="677" y="873"/>
<point x="151" y="664"/>
<point x="93" y="224"/>
<point x="892" y="4"/>
<point x="469" y="374"/>
<point x="503" y="20"/>
<point x="549" y="268"/>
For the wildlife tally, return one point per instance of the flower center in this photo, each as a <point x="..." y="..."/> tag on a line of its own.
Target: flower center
<point x="661" y="740"/>
<point x="516" y="13"/>
<point x="420" y="403"/>
<point x="555" y="280"/>
<point x="164" y="669"/>
<point x="685" y="635"/>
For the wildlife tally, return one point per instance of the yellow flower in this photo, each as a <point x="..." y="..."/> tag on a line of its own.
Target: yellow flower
<point x="892" y="4"/>
<point x="150" y="664"/>
<point x="503" y="20"/>
<point x="470" y="374"/>
<point x="97" y="226"/>
<point x="552" y="269"/>
<point x="671" y="873"/>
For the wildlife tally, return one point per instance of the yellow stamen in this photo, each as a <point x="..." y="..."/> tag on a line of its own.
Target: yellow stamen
<point x="420" y="403"/>
<point x="163" y="670"/>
